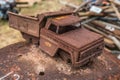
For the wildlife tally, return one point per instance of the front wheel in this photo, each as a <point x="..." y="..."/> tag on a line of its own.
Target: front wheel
<point x="65" y="56"/>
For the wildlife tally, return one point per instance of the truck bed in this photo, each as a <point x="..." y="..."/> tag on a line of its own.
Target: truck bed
<point x="25" y="24"/>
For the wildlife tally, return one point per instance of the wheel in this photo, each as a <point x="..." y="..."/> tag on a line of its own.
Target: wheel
<point x="26" y="37"/>
<point x="88" y="63"/>
<point x="30" y="39"/>
<point x="65" y="56"/>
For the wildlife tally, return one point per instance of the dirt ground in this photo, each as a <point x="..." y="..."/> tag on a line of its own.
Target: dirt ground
<point x="30" y="63"/>
<point x="9" y="36"/>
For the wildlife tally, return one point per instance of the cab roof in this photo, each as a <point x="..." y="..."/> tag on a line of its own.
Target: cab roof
<point x="65" y="20"/>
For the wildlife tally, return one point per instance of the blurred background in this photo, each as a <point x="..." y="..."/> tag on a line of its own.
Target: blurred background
<point x="25" y="7"/>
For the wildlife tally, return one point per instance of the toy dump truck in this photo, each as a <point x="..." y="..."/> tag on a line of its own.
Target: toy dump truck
<point x="59" y="33"/>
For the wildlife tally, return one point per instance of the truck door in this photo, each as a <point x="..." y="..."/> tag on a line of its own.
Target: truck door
<point x="47" y="42"/>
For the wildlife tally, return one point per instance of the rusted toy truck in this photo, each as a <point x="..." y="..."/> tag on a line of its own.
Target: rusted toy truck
<point x="59" y="33"/>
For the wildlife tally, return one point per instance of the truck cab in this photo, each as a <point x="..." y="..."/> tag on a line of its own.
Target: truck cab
<point x="63" y="35"/>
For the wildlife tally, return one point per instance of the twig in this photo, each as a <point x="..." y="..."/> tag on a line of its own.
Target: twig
<point x="2" y="78"/>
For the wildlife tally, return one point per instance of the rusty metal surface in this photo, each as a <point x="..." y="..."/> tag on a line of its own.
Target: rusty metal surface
<point x="55" y="14"/>
<point x="77" y="38"/>
<point x="65" y="20"/>
<point x="32" y="25"/>
<point x="29" y="25"/>
<point x="30" y="39"/>
<point x="30" y="63"/>
<point x="77" y="42"/>
<point x="50" y="47"/>
<point x="80" y="37"/>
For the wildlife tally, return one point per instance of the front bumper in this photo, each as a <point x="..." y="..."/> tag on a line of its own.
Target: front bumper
<point x="86" y="60"/>
<point x="89" y="53"/>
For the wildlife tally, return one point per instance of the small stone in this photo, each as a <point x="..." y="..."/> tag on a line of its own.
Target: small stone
<point x="64" y="78"/>
<point x="118" y="57"/>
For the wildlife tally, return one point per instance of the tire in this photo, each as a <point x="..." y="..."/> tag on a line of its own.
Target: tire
<point x="26" y="37"/>
<point x="65" y="56"/>
<point x="30" y="39"/>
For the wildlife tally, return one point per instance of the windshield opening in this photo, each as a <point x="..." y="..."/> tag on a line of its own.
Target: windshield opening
<point x="63" y="29"/>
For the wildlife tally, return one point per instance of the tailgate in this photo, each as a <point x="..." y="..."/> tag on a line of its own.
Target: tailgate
<point x="29" y="25"/>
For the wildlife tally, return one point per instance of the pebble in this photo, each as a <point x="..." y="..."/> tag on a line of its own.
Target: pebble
<point x="118" y="57"/>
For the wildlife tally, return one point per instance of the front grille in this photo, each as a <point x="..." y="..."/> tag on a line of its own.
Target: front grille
<point x="91" y="51"/>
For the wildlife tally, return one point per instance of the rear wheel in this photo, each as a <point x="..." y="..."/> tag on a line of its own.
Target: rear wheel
<point x="26" y="37"/>
<point x="30" y="39"/>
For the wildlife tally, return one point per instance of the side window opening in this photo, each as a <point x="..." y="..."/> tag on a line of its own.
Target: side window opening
<point x="62" y="29"/>
<point x="66" y="29"/>
<point x="53" y="28"/>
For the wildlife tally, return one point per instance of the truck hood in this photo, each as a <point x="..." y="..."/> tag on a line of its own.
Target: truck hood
<point x="80" y="37"/>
